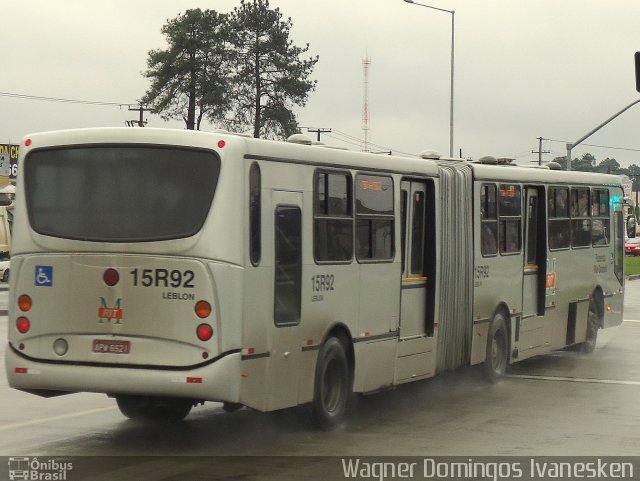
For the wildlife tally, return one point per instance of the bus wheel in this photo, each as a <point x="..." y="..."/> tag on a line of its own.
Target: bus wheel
<point x="156" y="409"/>
<point x="593" y="324"/>
<point x="332" y="385"/>
<point x="133" y="407"/>
<point x="497" y="358"/>
<point x="231" y="407"/>
<point x="169" y="409"/>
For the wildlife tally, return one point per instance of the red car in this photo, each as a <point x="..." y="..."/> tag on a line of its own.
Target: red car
<point x="632" y="246"/>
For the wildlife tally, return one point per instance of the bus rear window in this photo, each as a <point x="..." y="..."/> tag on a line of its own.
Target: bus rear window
<point x="120" y="193"/>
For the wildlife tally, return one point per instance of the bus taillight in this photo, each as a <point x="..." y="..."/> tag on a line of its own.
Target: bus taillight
<point x="203" y="309"/>
<point x="111" y="277"/>
<point x="25" y="302"/>
<point x="23" y="325"/>
<point x="204" y="332"/>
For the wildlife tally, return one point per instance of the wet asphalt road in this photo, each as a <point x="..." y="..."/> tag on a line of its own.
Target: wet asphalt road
<point x="560" y="404"/>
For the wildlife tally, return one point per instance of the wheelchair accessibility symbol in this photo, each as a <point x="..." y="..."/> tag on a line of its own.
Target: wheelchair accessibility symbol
<point x="44" y="276"/>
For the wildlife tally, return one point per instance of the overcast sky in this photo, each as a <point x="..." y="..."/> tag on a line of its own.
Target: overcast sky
<point x="523" y="69"/>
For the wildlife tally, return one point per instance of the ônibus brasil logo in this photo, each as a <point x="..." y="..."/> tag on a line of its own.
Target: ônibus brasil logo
<point x="24" y="468"/>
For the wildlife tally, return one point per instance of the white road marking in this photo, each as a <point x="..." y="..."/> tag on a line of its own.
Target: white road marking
<point x="575" y="379"/>
<point x="55" y="418"/>
<point x="631" y="320"/>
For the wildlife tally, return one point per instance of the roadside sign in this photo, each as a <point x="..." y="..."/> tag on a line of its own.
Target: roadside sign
<point x="5" y="165"/>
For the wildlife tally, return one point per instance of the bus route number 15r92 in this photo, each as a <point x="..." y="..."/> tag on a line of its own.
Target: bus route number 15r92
<point x="163" y="278"/>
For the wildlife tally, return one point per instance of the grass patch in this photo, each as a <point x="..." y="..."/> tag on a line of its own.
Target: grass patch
<point x="631" y="265"/>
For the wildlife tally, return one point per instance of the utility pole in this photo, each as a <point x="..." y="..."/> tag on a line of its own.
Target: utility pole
<point x="141" y="122"/>
<point x="318" y="130"/>
<point x="540" y="151"/>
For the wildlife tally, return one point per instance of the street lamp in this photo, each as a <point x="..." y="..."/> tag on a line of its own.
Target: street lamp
<point x="584" y="137"/>
<point x="452" y="50"/>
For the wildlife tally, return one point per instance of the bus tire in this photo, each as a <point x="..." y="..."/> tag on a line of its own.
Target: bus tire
<point x="153" y="408"/>
<point x="133" y="407"/>
<point x="593" y="324"/>
<point x="169" y="409"/>
<point x="230" y="407"/>
<point x="332" y="385"/>
<point x="495" y="364"/>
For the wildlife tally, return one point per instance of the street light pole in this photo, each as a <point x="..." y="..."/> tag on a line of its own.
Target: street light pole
<point x="584" y="137"/>
<point x="452" y="12"/>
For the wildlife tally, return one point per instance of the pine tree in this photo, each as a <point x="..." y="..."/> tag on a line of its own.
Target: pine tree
<point x="270" y="75"/>
<point x="189" y="80"/>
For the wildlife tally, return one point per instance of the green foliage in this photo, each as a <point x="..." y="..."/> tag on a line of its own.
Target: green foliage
<point x="608" y="166"/>
<point x="189" y="80"/>
<point x="240" y="70"/>
<point x="631" y="265"/>
<point x="588" y="163"/>
<point x="270" y="75"/>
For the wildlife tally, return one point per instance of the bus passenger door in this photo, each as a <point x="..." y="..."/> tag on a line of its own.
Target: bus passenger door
<point x="416" y="304"/>
<point x="287" y="299"/>
<point x="534" y="270"/>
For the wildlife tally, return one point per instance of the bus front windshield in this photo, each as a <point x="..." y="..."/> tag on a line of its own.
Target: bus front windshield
<point x="120" y="193"/>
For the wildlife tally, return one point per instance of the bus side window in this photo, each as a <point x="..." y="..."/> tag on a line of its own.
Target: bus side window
<point x="618" y="265"/>
<point x="489" y="220"/>
<point x="374" y="218"/>
<point x="254" y="215"/>
<point x="288" y="265"/>
<point x="559" y="223"/>
<point x="332" y="217"/>
<point x="601" y="223"/>
<point x="417" y="234"/>
<point x="580" y="218"/>
<point x="510" y="218"/>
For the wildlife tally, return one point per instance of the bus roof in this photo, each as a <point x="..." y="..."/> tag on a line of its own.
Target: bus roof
<point x="313" y="154"/>
<point x="516" y="173"/>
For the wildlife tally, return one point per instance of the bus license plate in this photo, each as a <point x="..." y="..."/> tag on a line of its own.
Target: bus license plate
<point x="111" y="347"/>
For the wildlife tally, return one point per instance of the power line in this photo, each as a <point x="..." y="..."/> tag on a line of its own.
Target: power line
<point x="67" y="101"/>
<point x="358" y="141"/>
<point x="599" y="146"/>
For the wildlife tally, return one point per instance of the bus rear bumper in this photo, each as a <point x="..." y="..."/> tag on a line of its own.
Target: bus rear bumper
<point x="218" y="381"/>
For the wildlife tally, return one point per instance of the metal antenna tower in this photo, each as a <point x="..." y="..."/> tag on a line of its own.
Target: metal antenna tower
<point x="365" y="109"/>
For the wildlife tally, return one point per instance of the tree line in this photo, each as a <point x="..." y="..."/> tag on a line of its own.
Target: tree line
<point x="239" y="70"/>
<point x="588" y="163"/>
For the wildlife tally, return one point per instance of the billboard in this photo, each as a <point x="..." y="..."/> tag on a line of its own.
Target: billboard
<point x="8" y="161"/>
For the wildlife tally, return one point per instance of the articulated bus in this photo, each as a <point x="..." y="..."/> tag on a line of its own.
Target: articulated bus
<point x="166" y="268"/>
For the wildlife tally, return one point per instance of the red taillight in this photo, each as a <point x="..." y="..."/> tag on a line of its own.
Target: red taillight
<point x="204" y="332"/>
<point x="27" y="142"/>
<point x="203" y="309"/>
<point x="221" y="144"/>
<point x="23" y="325"/>
<point x="25" y="303"/>
<point x="111" y="277"/>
